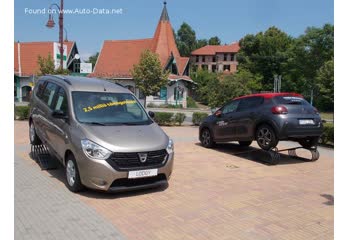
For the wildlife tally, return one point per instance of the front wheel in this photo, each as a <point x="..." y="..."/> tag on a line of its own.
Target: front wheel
<point x="33" y="137"/>
<point x="309" y="142"/>
<point x="266" y="137"/>
<point x="206" y="138"/>
<point x="72" y="175"/>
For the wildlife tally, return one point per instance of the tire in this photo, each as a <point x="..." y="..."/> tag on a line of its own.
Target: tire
<point x="206" y="138"/>
<point x="33" y="137"/>
<point x="245" y="143"/>
<point x="309" y="142"/>
<point x="73" y="181"/>
<point x="266" y="137"/>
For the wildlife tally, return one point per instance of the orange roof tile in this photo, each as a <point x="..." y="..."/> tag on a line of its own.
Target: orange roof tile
<point x="213" y="49"/>
<point x="29" y="52"/>
<point x="117" y="58"/>
<point x="181" y="63"/>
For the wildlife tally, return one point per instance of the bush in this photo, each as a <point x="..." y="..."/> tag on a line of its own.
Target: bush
<point x="151" y="105"/>
<point x="328" y="133"/>
<point x="21" y="112"/>
<point x="179" y="118"/>
<point x="198" y="117"/>
<point x="170" y="106"/>
<point x="191" y="103"/>
<point x="163" y="118"/>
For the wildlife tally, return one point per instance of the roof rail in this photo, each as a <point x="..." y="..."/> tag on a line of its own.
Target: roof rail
<point x="61" y="78"/>
<point x="119" y="84"/>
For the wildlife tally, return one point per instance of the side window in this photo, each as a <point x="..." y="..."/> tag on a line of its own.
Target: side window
<point x="48" y="94"/>
<point x="40" y="89"/>
<point x="231" y="107"/>
<point x="249" y="103"/>
<point x="61" y="102"/>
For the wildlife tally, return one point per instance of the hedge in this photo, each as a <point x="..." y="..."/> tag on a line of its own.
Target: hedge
<point x="21" y="112"/>
<point x="179" y="118"/>
<point x="328" y="133"/>
<point x="198" y="117"/>
<point x="168" y="119"/>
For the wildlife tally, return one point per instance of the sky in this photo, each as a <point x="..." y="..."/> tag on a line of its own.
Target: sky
<point x="230" y="20"/>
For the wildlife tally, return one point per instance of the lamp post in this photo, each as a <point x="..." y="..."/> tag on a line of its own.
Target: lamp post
<point x="50" y="24"/>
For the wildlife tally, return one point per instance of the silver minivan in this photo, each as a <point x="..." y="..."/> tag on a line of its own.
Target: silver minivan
<point x="101" y="134"/>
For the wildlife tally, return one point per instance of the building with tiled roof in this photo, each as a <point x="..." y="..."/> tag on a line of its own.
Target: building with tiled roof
<point x="117" y="58"/>
<point x="216" y="58"/>
<point x="26" y="64"/>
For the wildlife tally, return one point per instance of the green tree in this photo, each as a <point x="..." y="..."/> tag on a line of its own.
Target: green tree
<point x="47" y="66"/>
<point x="201" y="43"/>
<point x="226" y="88"/>
<point x="186" y="39"/>
<point x="93" y="59"/>
<point x="308" y="54"/>
<point x="203" y="79"/>
<point x="325" y="84"/>
<point x="265" y="54"/>
<point x="148" y="74"/>
<point x="214" y="89"/>
<point x="214" y="41"/>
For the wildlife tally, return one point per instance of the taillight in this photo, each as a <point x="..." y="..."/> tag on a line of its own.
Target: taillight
<point x="316" y="111"/>
<point x="279" y="110"/>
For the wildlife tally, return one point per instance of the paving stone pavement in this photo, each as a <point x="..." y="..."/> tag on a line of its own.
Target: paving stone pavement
<point x="45" y="210"/>
<point x="218" y="193"/>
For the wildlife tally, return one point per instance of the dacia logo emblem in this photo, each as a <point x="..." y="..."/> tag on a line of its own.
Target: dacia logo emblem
<point x="143" y="157"/>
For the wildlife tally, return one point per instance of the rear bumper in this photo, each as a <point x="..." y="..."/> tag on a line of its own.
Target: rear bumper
<point x="294" y="130"/>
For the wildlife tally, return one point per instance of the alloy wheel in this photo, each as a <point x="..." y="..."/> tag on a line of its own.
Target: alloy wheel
<point x="264" y="137"/>
<point x="70" y="172"/>
<point x="32" y="132"/>
<point x="206" y="137"/>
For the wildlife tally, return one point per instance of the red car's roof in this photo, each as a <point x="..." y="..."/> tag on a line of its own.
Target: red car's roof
<point x="270" y="95"/>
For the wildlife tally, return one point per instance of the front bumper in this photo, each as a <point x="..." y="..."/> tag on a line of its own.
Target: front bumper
<point x="100" y="175"/>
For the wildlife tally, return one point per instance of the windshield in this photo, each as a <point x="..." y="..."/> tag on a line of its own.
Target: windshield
<point x="102" y="108"/>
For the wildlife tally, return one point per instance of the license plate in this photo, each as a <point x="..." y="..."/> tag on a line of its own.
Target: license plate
<point x="306" y="122"/>
<point x="143" y="173"/>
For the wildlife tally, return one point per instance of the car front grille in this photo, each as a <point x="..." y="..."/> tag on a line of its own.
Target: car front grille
<point x="131" y="161"/>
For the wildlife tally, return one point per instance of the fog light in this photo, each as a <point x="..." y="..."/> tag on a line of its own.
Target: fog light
<point x="98" y="182"/>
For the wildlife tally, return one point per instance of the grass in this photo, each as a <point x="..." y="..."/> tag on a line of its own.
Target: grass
<point x="327" y="115"/>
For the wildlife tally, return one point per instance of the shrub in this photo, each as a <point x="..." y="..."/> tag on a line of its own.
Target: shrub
<point x="191" y="103"/>
<point x="198" y="117"/>
<point x="179" y="118"/>
<point x="163" y="118"/>
<point x="151" y="105"/>
<point x="170" y="106"/>
<point x="328" y="133"/>
<point x="21" y="112"/>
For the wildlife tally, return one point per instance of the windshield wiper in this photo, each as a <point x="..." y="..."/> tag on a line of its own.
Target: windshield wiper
<point x="95" y="123"/>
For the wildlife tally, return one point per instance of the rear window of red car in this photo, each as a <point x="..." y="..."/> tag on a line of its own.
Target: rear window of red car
<point x="292" y="100"/>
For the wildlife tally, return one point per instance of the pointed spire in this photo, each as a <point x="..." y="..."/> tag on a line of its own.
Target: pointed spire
<point x="164" y="16"/>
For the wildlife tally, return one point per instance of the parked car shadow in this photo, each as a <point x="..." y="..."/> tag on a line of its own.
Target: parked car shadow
<point x="258" y="155"/>
<point x="58" y="172"/>
<point x="330" y="199"/>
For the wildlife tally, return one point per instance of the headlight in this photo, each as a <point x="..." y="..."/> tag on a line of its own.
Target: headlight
<point x="170" y="147"/>
<point x="95" y="151"/>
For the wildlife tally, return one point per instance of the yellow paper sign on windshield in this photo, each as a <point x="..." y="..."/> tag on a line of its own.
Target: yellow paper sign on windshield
<point x="109" y="104"/>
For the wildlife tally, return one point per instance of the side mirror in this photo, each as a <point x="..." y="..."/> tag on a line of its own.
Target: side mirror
<point x="151" y="114"/>
<point x="218" y="113"/>
<point x="59" y="114"/>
